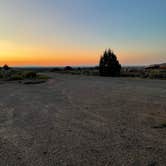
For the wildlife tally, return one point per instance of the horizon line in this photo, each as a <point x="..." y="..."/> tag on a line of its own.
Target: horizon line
<point x="37" y="66"/>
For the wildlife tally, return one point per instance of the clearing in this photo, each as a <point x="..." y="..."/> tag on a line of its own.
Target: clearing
<point x="83" y="121"/>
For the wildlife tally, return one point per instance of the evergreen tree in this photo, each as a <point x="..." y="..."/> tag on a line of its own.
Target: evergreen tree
<point x="109" y="65"/>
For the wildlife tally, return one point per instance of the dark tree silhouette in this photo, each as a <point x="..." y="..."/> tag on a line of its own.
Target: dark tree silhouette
<point x="109" y="65"/>
<point x="68" y="68"/>
<point x="6" y="67"/>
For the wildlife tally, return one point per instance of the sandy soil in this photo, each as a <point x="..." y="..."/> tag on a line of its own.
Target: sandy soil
<point x="83" y="121"/>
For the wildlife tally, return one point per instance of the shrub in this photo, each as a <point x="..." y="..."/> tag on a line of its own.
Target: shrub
<point x="16" y="77"/>
<point x="43" y="77"/>
<point x="109" y="65"/>
<point x="55" y="69"/>
<point x="29" y="74"/>
<point x="68" y="68"/>
<point x="156" y="74"/>
<point x="6" y="67"/>
<point x="86" y="72"/>
<point x="1" y="75"/>
<point x="12" y="75"/>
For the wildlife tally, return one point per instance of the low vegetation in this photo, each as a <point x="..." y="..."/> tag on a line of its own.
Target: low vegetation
<point x="134" y="72"/>
<point x="156" y="74"/>
<point x="9" y="74"/>
<point x="93" y="71"/>
<point x="108" y="66"/>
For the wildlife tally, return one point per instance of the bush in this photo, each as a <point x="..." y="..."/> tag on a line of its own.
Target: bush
<point x="12" y="75"/>
<point x="56" y="69"/>
<point x="43" y="77"/>
<point x="109" y="65"/>
<point x="68" y="68"/>
<point x="156" y="74"/>
<point x="6" y="67"/>
<point x="29" y="74"/>
<point x="16" y="77"/>
<point x="1" y="75"/>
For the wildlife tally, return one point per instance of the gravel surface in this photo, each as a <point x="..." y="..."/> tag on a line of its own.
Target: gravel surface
<point x="83" y="121"/>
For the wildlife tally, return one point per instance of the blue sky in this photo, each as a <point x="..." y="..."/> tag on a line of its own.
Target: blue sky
<point x="135" y="30"/>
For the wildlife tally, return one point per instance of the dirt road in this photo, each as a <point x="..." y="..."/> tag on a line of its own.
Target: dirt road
<point x="83" y="121"/>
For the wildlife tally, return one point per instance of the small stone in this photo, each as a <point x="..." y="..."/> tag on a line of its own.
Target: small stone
<point x="45" y="152"/>
<point x="19" y="158"/>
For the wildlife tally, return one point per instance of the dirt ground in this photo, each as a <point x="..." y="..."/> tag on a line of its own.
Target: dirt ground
<point x="83" y="121"/>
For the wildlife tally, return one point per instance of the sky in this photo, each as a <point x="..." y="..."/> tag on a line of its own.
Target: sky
<point x="76" y="32"/>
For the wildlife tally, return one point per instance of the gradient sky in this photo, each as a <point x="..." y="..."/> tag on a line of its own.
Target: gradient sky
<point x="76" y="32"/>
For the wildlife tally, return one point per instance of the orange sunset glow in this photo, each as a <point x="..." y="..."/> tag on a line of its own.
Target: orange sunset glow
<point x="63" y="33"/>
<point x="22" y="55"/>
<point x="16" y="55"/>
